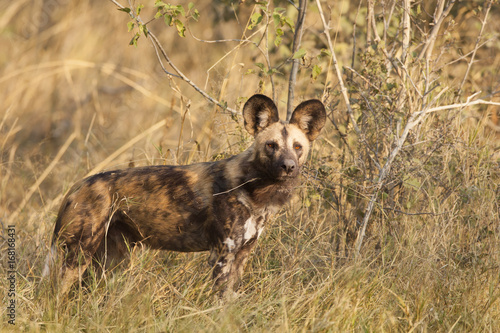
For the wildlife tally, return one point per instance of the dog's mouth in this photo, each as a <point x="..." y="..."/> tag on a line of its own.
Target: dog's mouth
<point x="286" y="178"/>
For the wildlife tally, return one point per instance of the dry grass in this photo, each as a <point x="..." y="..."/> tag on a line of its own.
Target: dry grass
<point x="77" y="99"/>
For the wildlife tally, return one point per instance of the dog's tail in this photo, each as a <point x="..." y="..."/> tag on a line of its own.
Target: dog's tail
<point x="50" y="261"/>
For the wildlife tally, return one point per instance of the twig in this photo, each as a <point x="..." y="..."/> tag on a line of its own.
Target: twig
<point x="406" y="31"/>
<point x="413" y="214"/>
<point x="295" y="63"/>
<point x="462" y="105"/>
<point x="157" y="45"/>
<point x="437" y="25"/>
<point x="236" y="187"/>
<point x="462" y="57"/>
<point x="265" y="37"/>
<point x="343" y="89"/>
<point x="476" y="47"/>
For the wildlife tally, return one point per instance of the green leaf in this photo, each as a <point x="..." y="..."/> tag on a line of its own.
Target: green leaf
<point x="138" y="9"/>
<point x="168" y="19"/>
<point x="299" y="54"/>
<point x="412" y="183"/>
<point x="143" y="29"/>
<point x="256" y="18"/>
<point x="260" y="65"/>
<point x="181" y="10"/>
<point x="134" y="39"/>
<point x="190" y="5"/>
<point x="195" y="15"/>
<point x="316" y="72"/>
<point x="160" y="3"/>
<point x="130" y="26"/>
<point x="158" y="14"/>
<point x="277" y="20"/>
<point x="325" y="52"/>
<point x="289" y="22"/>
<point x="126" y="10"/>
<point x="181" y="29"/>
<point x="278" y="40"/>
<point x="272" y="71"/>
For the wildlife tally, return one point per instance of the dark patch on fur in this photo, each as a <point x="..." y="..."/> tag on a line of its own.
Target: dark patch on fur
<point x="284" y="133"/>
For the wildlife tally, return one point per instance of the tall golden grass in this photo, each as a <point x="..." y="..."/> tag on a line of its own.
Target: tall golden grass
<point x="77" y="99"/>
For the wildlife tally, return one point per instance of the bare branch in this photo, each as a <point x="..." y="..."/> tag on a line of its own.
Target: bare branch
<point x="462" y="105"/>
<point x="406" y="31"/>
<point x="415" y="118"/>
<point x="438" y="11"/>
<point x="158" y="47"/>
<point x="295" y="64"/>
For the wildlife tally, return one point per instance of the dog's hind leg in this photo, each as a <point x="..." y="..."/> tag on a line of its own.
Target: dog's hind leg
<point x="115" y="248"/>
<point x="70" y="275"/>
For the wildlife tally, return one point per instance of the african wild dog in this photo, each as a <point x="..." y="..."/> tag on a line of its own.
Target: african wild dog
<point x="221" y="206"/>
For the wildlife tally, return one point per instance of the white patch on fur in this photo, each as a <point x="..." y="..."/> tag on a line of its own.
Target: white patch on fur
<point x="230" y="244"/>
<point x="296" y="135"/>
<point x="250" y="229"/>
<point x="304" y="122"/>
<point x="263" y="120"/>
<point x="226" y="269"/>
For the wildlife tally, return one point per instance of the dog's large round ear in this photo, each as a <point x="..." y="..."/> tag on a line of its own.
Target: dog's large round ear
<point x="259" y="112"/>
<point x="310" y="117"/>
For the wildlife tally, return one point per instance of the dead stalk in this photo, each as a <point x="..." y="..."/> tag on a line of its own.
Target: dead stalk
<point x="295" y="64"/>
<point x="42" y="177"/>
<point x="415" y="119"/>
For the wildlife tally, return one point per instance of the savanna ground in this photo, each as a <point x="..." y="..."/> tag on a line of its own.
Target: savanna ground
<point x="396" y="225"/>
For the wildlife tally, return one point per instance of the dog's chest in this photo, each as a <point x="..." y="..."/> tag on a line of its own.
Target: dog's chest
<point x="246" y="231"/>
<point x="253" y="226"/>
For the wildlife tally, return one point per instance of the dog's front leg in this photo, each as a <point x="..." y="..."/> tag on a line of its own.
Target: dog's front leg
<point x="223" y="274"/>
<point x="229" y="262"/>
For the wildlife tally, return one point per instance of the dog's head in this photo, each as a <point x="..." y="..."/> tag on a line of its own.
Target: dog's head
<point x="281" y="148"/>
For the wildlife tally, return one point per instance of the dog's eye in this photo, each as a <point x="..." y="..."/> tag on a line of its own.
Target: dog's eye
<point x="271" y="145"/>
<point x="297" y="146"/>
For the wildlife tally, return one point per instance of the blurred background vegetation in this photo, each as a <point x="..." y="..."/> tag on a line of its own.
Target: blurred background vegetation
<point x="78" y="99"/>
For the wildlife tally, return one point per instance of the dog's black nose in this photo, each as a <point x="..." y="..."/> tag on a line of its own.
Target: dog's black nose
<point x="288" y="165"/>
